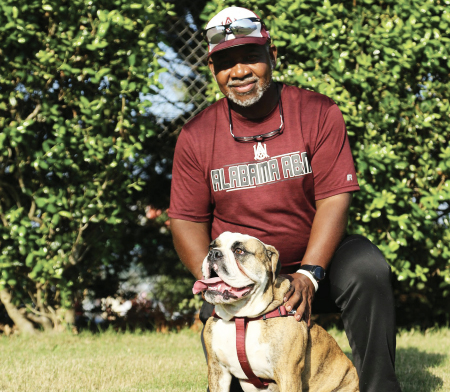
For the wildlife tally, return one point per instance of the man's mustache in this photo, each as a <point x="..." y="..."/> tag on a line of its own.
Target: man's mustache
<point x="244" y="82"/>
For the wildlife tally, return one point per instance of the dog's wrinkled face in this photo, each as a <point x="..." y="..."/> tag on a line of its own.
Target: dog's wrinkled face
<point x="236" y="267"/>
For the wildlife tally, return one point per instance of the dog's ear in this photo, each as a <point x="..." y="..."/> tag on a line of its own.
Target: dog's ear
<point x="273" y="255"/>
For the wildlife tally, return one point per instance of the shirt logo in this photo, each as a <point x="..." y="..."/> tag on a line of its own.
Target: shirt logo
<point x="251" y="175"/>
<point x="349" y="177"/>
<point x="260" y="151"/>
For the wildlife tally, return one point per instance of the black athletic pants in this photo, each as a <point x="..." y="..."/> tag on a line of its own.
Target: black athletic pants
<point x="358" y="285"/>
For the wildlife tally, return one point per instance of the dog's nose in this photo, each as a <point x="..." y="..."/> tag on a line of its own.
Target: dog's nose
<point x="215" y="254"/>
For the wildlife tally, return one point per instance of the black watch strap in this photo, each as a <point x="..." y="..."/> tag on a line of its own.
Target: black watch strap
<point x="316" y="271"/>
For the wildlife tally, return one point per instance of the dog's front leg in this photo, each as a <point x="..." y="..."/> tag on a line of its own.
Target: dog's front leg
<point x="219" y="378"/>
<point x="288" y="383"/>
<point x="289" y="377"/>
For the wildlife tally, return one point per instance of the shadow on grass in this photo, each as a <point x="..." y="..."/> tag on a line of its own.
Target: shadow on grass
<point x="412" y="368"/>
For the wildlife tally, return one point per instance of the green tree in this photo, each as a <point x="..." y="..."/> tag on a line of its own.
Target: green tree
<point x="75" y="143"/>
<point x="386" y="65"/>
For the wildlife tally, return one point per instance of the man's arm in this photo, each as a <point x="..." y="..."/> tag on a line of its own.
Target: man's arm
<point x="191" y="240"/>
<point x="327" y="231"/>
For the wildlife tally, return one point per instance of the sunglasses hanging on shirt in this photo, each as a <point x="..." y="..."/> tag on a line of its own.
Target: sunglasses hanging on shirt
<point x="257" y="138"/>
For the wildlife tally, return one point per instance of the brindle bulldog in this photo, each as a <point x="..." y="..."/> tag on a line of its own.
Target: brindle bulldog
<point x="241" y="279"/>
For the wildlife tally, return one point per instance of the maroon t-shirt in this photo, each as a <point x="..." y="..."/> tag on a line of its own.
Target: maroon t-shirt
<point x="267" y="190"/>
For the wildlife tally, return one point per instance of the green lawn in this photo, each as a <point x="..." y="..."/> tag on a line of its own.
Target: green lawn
<point x="173" y="362"/>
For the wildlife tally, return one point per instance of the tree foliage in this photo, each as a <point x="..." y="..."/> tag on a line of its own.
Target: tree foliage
<point x="386" y="64"/>
<point x="75" y="144"/>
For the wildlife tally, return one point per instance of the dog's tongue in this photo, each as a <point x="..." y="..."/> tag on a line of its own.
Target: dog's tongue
<point x="217" y="284"/>
<point x="202" y="285"/>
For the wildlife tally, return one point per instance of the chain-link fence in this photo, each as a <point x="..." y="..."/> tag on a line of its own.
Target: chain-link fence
<point x="184" y="83"/>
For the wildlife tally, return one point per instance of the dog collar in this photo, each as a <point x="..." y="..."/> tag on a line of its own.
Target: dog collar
<point x="241" y="327"/>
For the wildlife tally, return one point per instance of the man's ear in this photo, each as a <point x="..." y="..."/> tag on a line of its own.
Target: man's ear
<point x="211" y="68"/>
<point x="273" y="255"/>
<point x="273" y="53"/>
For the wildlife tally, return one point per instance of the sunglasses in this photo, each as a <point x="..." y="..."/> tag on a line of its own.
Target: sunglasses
<point x="257" y="138"/>
<point x="239" y="28"/>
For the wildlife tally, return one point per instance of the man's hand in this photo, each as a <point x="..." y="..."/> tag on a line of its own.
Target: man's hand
<point x="300" y="296"/>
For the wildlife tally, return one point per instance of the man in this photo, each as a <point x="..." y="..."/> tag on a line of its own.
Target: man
<point x="273" y="161"/>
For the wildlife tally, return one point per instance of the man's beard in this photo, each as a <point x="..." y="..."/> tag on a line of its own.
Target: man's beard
<point x="260" y="90"/>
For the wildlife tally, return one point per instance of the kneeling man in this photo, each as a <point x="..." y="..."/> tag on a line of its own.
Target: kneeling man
<point x="273" y="161"/>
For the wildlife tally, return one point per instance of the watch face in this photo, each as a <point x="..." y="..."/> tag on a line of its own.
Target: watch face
<point x="319" y="273"/>
<point x="316" y="270"/>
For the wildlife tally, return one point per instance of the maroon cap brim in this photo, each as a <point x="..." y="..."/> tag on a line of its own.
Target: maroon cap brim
<point x="239" y="42"/>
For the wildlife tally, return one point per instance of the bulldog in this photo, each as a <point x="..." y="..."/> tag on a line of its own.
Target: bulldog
<point x="241" y="278"/>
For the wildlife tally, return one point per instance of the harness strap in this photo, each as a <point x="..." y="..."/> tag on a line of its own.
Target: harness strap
<point x="241" y="327"/>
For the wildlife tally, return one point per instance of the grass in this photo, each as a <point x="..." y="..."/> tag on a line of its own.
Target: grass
<point x="174" y="362"/>
<point x="422" y="361"/>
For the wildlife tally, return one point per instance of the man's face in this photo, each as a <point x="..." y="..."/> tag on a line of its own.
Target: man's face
<point x="243" y="73"/>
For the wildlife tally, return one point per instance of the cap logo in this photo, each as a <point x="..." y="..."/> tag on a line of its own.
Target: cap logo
<point x="228" y="21"/>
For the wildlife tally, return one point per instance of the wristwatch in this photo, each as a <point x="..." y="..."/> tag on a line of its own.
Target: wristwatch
<point x="317" y="272"/>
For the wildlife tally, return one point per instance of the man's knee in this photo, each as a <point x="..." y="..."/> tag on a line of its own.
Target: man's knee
<point x="360" y="264"/>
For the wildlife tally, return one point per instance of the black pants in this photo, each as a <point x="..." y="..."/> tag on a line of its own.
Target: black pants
<point x="358" y="285"/>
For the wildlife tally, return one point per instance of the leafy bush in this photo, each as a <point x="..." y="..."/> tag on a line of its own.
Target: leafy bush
<point x="75" y="141"/>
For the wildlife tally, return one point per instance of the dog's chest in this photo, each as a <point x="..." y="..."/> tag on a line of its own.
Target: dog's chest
<point x="258" y="352"/>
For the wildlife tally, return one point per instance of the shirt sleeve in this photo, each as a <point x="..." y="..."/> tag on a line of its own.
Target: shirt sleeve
<point x="332" y="161"/>
<point x="190" y="194"/>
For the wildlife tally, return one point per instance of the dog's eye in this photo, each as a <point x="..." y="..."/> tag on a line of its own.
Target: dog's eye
<point x="239" y="251"/>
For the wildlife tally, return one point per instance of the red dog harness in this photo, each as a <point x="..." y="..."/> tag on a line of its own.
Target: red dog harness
<point x="241" y="327"/>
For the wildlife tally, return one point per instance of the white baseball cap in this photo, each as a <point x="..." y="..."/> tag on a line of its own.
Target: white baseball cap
<point x="235" y="26"/>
